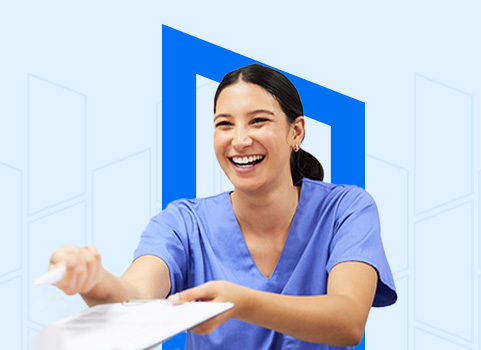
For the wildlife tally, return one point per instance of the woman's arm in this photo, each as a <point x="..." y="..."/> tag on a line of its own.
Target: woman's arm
<point x="147" y="277"/>
<point x="337" y="318"/>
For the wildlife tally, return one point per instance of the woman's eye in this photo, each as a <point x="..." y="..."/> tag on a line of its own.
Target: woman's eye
<point x="222" y="123"/>
<point x="259" y="120"/>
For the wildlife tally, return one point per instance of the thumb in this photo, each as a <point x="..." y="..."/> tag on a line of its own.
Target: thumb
<point x="193" y="294"/>
<point x="175" y="299"/>
<point x="71" y="261"/>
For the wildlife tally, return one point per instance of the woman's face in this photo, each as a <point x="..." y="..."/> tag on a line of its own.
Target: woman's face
<point x="252" y="138"/>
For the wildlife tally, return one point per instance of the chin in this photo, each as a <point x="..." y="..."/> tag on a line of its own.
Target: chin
<point x="248" y="185"/>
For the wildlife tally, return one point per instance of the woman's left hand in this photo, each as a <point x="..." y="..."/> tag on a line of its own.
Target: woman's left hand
<point x="218" y="291"/>
<point x="337" y="318"/>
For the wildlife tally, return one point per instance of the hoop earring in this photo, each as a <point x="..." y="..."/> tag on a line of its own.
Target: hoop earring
<point x="297" y="148"/>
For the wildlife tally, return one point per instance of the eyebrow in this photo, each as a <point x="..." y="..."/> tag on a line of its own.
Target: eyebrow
<point x="254" y="112"/>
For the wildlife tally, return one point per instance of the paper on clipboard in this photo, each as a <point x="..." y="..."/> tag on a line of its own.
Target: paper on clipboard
<point x="130" y="326"/>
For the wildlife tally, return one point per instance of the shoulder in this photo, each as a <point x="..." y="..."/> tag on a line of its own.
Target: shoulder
<point x="341" y="194"/>
<point x="191" y="208"/>
<point x="185" y="217"/>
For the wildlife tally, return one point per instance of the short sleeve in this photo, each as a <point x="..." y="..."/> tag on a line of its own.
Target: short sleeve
<point x="357" y="238"/>
<point x="166" y="236"/>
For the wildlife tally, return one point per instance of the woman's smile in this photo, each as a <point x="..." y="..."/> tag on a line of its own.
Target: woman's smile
<point x="246" y="161"/>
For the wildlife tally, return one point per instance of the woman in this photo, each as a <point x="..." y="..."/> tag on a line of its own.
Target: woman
<point x="301" y="260"/>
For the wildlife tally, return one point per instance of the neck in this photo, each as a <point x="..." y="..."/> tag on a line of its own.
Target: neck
<point x="266" y="213"/>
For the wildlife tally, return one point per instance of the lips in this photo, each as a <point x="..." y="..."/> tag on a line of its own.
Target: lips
<point x="246" y="161"/>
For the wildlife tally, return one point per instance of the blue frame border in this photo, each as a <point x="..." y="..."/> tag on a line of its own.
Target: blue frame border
<point x="183" y="57"/>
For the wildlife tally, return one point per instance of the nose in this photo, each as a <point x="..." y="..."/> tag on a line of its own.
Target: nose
<point x="241" y="139"/>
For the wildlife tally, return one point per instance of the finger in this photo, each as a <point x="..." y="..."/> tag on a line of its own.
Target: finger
<point x="197" y="293"/>
<point x="175" y="299"/>
<point x="81" y="276"/>
<point x="90" y="268"/>
<point x="70" y="262"/>
<point x="91" y="248"/>
<point x="60" y="255"/>
<point x="71" y="285"/>
<point x="72" y="269"/>
<point x="67" y="284"/>
<point x="92" y="260"/>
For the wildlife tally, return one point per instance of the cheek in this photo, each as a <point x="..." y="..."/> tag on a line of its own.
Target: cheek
<point x="276" y="139"/>
<point x="267" y="135"/>
<point x="219" y="144"/>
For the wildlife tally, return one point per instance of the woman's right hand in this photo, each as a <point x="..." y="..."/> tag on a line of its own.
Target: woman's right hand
<point x="83" y="268"/>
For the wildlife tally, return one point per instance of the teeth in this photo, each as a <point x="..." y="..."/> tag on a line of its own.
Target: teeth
<point x="245" y="160"/>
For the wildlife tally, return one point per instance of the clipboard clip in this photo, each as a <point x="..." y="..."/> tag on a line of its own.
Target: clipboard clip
<point x="144" y="301"/>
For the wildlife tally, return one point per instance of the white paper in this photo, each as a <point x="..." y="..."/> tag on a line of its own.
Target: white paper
<point x="125" y="326"/>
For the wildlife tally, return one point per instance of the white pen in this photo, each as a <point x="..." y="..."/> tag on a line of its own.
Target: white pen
<point x="51" y="277"/>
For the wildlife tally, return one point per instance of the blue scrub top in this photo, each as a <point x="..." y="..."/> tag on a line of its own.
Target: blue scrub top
<point x="200" y="240"/>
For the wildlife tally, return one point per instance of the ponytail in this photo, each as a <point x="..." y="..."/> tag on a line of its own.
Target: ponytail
<point x="304" y="164"/>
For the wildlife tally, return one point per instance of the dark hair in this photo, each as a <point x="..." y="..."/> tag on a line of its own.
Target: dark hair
<point x="303" y="164"/>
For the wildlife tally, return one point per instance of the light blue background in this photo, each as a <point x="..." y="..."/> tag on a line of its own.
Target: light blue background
<point x="94" y="177"/>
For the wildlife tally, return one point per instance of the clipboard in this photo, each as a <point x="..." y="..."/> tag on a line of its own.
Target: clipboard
<point x="133" y="325"/>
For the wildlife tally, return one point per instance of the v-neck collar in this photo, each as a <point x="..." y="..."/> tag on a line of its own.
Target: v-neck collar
<point x="291" y="251"/>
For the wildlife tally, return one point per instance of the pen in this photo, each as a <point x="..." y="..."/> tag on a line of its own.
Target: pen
<point x="51" y="277"/>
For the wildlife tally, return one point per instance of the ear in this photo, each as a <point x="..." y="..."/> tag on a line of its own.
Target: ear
<point x="298" y="128"/>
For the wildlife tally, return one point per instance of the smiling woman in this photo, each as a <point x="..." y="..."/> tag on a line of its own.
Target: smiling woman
<point x="275" y="86"/>
<point x="251" y="125"/>
<point x="301" y="260"/>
